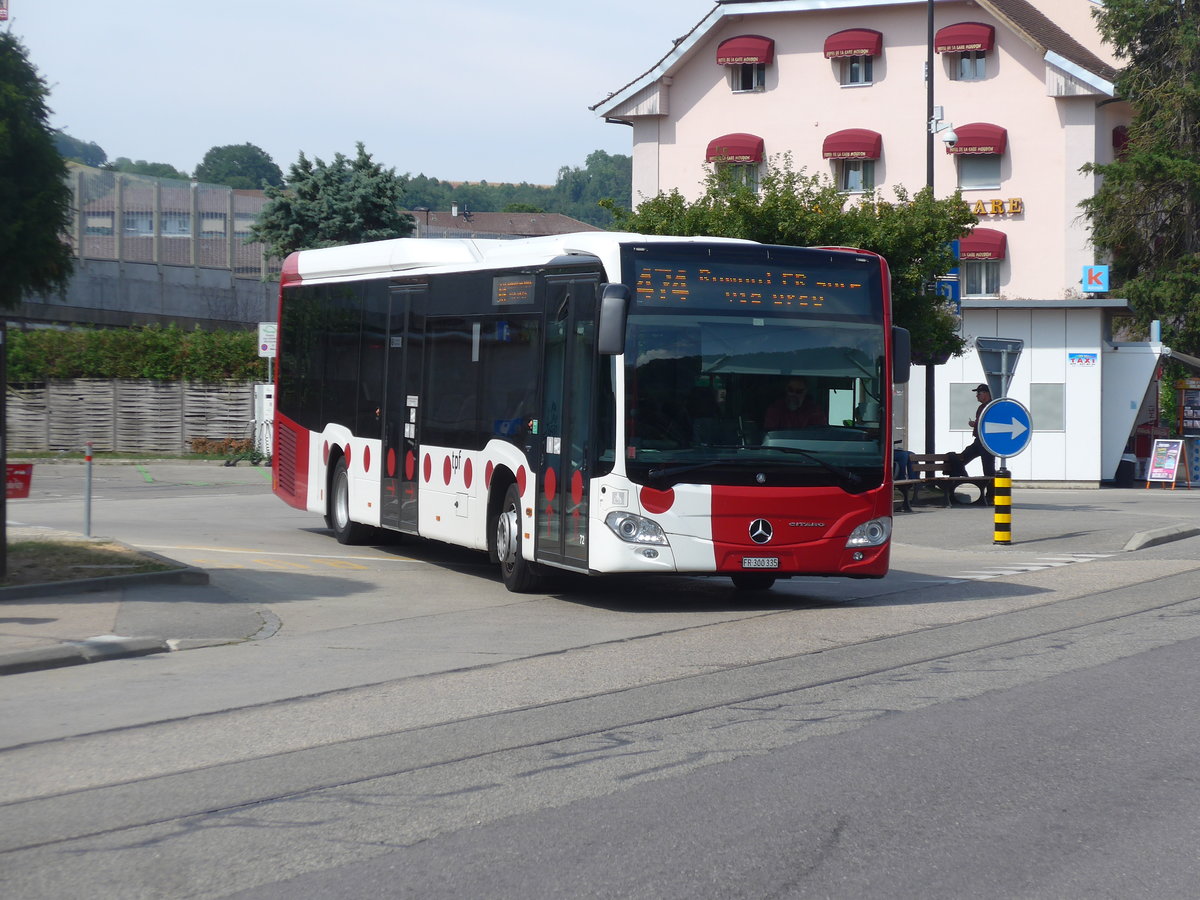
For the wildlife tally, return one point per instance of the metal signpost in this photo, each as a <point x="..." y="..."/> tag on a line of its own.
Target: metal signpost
<point x="1004" y="425"/>
<point x="1004" y="430"/>
<point x="999" y="359"/>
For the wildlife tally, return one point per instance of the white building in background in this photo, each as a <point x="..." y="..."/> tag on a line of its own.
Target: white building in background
<point x="1028" y="95"/>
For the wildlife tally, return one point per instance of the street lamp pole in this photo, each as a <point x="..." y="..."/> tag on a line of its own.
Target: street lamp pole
<point x="930" y="370"/>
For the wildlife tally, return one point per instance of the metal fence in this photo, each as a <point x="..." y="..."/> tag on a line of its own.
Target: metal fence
<point x="135" y="218"/>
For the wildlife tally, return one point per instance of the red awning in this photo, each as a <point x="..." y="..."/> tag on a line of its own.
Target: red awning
<point x="979" y="137"/>
<point x="964" y="37"/>
<point x="853" y="143"/>
<point x="735" y="148"/>
<point x="853" y="42"/>
<point x="1120" y="141"/>
<point x="744" y="49"/>
<point x="983" y="243"/>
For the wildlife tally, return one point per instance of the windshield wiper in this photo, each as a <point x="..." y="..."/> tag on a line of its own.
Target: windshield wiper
<point x="848" y="478"/>
<point x="672" y="471"/>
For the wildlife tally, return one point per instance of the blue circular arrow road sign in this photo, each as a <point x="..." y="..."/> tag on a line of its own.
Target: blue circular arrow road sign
<point x="1004" y="427"/>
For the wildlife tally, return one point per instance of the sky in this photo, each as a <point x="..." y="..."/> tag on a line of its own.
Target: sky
<point x="460" y="90"/>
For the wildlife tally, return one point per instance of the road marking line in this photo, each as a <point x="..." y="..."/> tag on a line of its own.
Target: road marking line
<point x="277" y="553"/>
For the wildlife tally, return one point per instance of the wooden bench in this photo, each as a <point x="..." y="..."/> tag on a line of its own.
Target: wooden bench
<point x="928" y="472"/>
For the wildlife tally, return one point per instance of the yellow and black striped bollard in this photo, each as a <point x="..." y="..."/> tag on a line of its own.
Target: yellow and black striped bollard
<point x="1003" y="511"/>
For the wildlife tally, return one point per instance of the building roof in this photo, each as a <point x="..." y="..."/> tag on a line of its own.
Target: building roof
<point x="1057" y="46"/>
<point x="1023" y="18"/>
<point x="497" y="223"/>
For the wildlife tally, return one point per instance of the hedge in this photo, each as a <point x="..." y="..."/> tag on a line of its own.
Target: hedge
<point x="152" y="351"/>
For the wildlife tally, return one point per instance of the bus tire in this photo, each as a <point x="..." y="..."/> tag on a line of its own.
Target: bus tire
<point x="519" y="574"/>
<point x="345" y="530"/>
<point x="753" y="581"/>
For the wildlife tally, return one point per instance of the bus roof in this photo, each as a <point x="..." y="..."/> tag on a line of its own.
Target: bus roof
<point x="411" y="255"/>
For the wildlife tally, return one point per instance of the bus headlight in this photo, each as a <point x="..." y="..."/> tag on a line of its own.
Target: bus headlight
<point x="635" y="529"/>
<point x="871" y="534"/>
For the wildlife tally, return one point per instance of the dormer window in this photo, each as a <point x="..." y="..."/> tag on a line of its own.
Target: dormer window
<point x="747" y="57"/>
<point x="853" y="52"/>
<point x="967" y="45"/>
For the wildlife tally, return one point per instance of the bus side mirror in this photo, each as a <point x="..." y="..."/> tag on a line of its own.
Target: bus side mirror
<point x="901" y="354"/>
<point x="614" y="307"/>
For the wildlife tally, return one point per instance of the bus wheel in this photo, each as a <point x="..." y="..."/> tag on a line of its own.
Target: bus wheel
<point x="344" y="530"/>
<point x="518" y="573"/>
<point x="752" y="581"/>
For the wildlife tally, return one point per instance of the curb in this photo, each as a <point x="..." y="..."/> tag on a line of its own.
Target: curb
<point x="1162" y="535"/>
<point x="102" y="647"/>
<point x="74" y="653"/>
<point x="185" y="575"/>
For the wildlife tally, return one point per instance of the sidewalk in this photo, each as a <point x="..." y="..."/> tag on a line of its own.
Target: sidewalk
<point x="69" y="623"/>
<point x="45" y="626"/>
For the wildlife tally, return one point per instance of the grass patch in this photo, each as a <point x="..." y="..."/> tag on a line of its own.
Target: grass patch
<point x="38" y="562"/>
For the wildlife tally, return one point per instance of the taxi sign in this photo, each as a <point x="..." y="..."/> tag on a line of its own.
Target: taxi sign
<point x="1005" y="427"/>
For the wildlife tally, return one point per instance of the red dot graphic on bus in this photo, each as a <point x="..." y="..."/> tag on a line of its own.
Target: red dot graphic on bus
<point x="550" y="484"/>
<point x="446" y="471"/>
<point x="428" y="467"/>
<point x="391" y="462"/>
<point x="467" y="473"/>
<point x="410" y="465"/>
<point x="576" y="487"/>
<point x="487" y="474"/>
<point x="657" y="501"/>
<point x="366" y="459"/>
<point x="325" y="453"/>
<point x="521" y="479"/>
<point x="347" y="455"/>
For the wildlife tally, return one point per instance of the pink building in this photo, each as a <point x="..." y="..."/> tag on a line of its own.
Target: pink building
<point x="839" y="84"/>
<point x="1023" y="98"/>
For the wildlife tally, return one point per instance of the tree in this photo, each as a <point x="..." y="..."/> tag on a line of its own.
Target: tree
<point x="141" y="167"/>
<point x="348" y="201"/>
<point x="90" y="154"/>
<point x="242" y="166"/>
<point x="792" y="207"/>
<point x="605" y="176"/>
<point x="35" y="199"/>
<point x="1146" y="213"/>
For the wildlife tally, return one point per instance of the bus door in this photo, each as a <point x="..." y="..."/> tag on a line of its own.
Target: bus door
<point x="565" y="428"/>
<point x="402" y="409"/>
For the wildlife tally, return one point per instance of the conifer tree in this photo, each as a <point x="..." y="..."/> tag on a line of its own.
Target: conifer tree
<point x="35" y="199"/>
<point x="1146" y="213"/>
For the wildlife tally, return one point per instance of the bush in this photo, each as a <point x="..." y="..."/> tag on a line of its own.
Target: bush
<point x="152" y="351"/>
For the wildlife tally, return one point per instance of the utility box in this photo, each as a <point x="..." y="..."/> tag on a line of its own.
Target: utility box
<point x="264" y="417"/>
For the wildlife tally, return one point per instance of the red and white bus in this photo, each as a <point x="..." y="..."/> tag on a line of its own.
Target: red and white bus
<point x="595" y="403"/>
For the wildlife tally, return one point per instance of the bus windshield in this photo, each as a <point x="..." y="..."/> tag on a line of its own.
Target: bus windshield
<point x="757" y="368"/>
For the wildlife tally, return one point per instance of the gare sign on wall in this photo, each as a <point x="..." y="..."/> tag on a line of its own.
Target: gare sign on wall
<point x="1013" y="206"/>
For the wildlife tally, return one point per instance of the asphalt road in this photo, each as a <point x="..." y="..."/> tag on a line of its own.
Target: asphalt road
<point x="982" y="722"/>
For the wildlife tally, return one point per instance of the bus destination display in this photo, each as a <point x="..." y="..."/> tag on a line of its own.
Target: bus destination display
<point x="745" y="287"/>
<point x="512" y="290"/>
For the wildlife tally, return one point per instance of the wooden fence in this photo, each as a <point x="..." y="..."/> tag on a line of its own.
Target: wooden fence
<point x="128" y="416"/>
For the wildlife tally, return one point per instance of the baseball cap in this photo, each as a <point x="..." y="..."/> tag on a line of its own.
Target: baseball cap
<point x="983" y="387"/>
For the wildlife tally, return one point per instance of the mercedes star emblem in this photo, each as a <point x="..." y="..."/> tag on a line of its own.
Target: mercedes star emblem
<point x="760" y="531"/>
